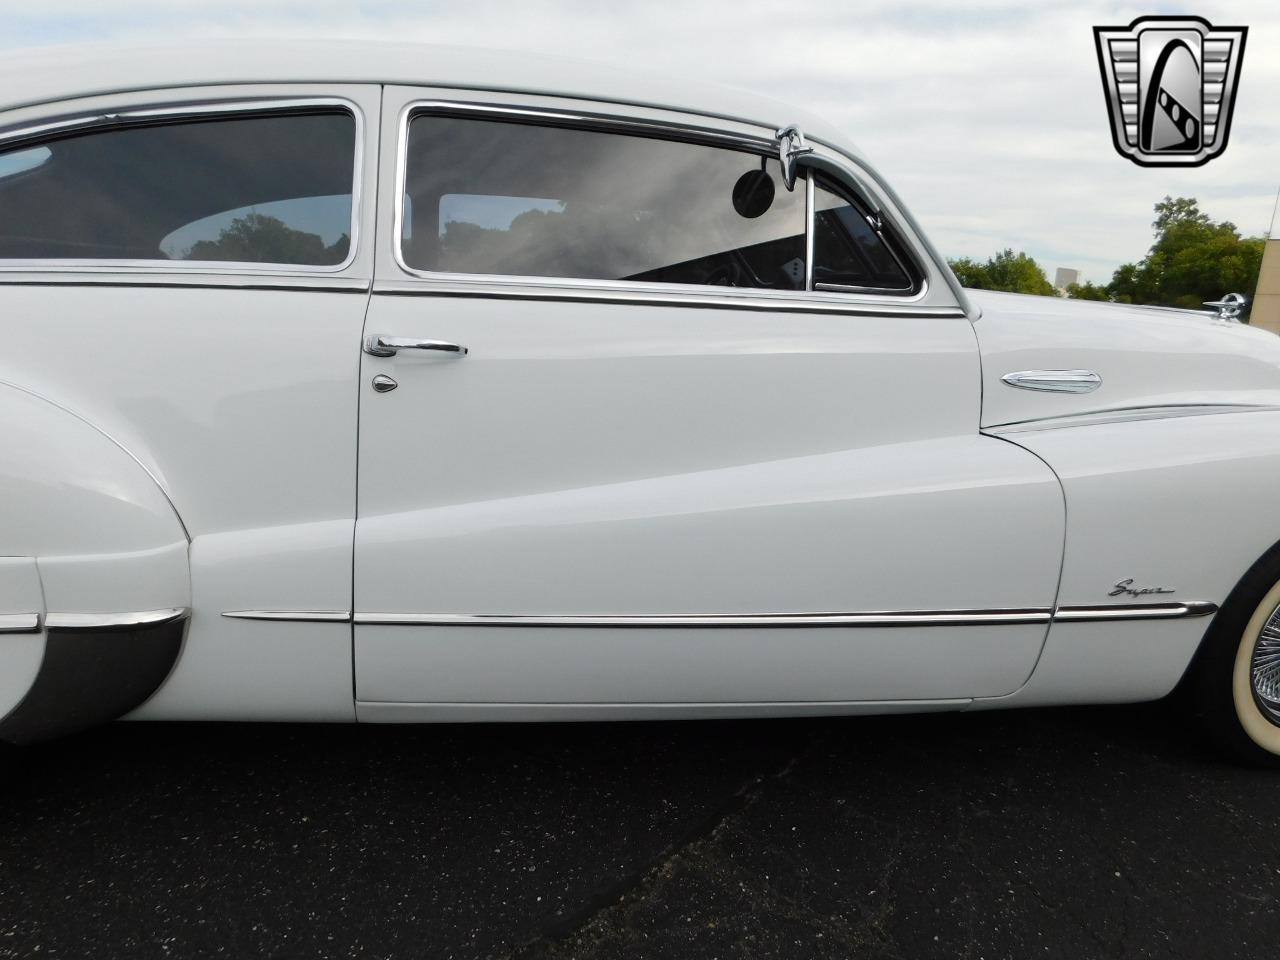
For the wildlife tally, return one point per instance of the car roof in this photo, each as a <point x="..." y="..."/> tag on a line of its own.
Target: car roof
<point x="49" y="74"/>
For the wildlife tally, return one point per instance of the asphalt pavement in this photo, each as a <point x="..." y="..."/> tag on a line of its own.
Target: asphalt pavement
<point x="1100" y="832"/>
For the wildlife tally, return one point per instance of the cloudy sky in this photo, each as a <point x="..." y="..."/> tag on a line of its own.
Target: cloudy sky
<point x="987" y="115"/>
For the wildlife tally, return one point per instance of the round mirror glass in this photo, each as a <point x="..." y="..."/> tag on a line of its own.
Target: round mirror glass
<point x="753" y="194"/>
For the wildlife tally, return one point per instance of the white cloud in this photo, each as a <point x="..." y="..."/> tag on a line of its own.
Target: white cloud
<point x="987" y="116"/>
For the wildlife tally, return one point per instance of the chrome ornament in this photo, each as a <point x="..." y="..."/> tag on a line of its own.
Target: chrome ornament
<point x="1229" y="307"/>
<point x="1054" y="381"/>
<point x="1170" y="84"/>
<point x="791" y="146"/>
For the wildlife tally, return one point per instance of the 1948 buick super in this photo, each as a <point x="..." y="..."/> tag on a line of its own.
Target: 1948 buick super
<point x="406" y="384"/>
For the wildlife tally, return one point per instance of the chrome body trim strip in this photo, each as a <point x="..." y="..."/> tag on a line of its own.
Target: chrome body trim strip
<point x="1054" y="381"/>
<point x="960" y="617"/>
<point x="211" y="110"/>
<point x="1134" y="611"/>
<point x="1127" y="415"/>
<point x="879" y="618"/>
<point x="86" y="678"/>
<point x="671" y="296"/>
<point x="115" y="621"/>
<point x="291" y="616"/>
<point x="19" y="623"/>
<point x="765" y="146"/>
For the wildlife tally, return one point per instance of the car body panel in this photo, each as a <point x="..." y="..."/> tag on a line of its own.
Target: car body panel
<point x="235" y="389"/>
<point x="184" y="441"/>
<point x="1152" y="361"/>
<point x="90" y="536"/>
<point x="600" y="452"/>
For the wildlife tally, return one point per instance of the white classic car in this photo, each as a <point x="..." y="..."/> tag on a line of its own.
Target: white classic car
<point x="397" y="383"/>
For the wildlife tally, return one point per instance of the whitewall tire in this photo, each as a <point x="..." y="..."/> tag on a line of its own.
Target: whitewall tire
<point x="1236" y="679"/>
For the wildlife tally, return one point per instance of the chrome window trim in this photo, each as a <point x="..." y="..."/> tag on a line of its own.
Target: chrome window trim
<point x="838" y="188"/>
<point x="142" y="116"/>
<point x="100" y="277"/>
<point x="609" y="122"/>
<point x="810" y="230"/>
<point x="666" y="295"/>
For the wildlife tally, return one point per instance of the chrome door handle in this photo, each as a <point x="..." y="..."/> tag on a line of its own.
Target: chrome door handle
<point x="378" y="345"/>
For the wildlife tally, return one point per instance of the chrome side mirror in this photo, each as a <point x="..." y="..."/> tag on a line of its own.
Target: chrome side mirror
<point x="1229" y="307"/>
<point x="791" y="146"/>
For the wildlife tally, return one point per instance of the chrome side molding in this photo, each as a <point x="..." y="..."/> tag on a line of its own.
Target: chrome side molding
<point x="95" y="668"/>
<point x="999" y="616"/>
<point x="19" y="623"/>
<point x="111" y="622"/>
<point x="1164" y="411"/>
<point x="1054" y="381"/>
<point x="1135" y="611"/>
<point x="291" y="616"/>
<point x="875" y="618"/>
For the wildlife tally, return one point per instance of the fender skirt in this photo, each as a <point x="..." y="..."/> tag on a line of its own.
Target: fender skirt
<point x="96" y="668"/>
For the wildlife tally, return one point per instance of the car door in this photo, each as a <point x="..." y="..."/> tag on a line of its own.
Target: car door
<point x="622" y="449"/>
<point x="187" y="272"/>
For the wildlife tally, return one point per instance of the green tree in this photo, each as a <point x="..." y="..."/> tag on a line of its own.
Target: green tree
<point x="1013" y="272"/>
<point x="257" y="238"/>
<point x="1088" y="291"/>
<point x="1193" y="259"/>
<point x="970" y="273"/>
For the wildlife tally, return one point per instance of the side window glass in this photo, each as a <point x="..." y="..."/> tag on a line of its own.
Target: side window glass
<point x="504" y="198"/>
<point x="848" y="251"/>
<point x="263" y="188"/>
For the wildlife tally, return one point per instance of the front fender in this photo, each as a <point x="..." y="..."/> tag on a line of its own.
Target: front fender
<point x="1183" y="505"/>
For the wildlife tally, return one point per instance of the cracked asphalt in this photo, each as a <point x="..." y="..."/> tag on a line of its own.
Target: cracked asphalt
<point x="1101" y="832"/>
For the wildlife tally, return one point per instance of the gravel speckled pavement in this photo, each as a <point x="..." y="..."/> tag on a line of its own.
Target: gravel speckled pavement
<point x="1101" y="832"/>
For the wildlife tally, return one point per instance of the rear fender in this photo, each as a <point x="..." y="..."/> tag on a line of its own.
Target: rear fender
<point x="95" y="585"/>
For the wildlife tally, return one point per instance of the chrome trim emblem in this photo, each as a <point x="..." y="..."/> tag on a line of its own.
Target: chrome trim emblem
<point x="1125" y="588"/>
<point x="1054" y="381"/>
<point x="1170" y="84"/>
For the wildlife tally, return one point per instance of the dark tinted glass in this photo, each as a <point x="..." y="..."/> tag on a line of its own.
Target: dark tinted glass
<point x="517" y="199"/>
<point x="847" y="251"/>
<point x="259" y="189"/>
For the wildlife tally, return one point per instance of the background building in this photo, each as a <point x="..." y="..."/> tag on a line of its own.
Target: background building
<point x="1065" y="277"/>
<point x="1265" y="310"/>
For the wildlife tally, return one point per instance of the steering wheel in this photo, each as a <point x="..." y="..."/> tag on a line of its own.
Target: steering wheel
<point x="726" y="275"/>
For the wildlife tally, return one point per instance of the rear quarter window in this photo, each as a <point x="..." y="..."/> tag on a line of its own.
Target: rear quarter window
<point x="270" y="188"/>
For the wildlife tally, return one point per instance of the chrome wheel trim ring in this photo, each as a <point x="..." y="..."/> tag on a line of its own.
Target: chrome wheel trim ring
<point x="1264" y="668"/>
